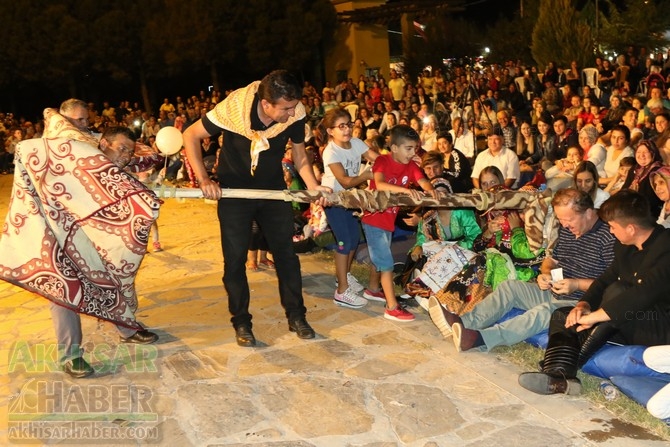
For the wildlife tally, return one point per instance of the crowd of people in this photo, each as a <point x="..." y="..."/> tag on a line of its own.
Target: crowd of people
<point x="500" y="128"/>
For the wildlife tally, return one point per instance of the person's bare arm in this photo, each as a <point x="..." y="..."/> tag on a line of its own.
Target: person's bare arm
<point x="192" y="137"/>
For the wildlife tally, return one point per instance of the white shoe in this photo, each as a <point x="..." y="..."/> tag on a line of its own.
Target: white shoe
<point x="423" y="302"/>
<point x="437" y="315"/>
<point x="349" y="299"/>
<point x="353" y="283"/>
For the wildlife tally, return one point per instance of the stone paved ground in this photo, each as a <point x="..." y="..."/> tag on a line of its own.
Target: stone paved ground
<point x="364" y="381"/>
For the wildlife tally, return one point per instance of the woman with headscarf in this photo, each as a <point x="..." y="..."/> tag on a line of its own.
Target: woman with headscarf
<point x="647" y="161"/>
<point x="660" y="181"/>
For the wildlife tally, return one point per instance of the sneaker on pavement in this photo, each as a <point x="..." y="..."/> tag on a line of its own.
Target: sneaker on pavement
<point x="466" y="339"/>
<point x="349" y="299"/>
<point x="441" y="317"/>
<point x="421" y="301"/>
<point x="398" y="314"/>
<point x="353" y="283"/>
<point x="374" y="296"/>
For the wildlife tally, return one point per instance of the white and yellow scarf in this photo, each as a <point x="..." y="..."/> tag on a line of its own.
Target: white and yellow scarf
<point x="234" y="115"/>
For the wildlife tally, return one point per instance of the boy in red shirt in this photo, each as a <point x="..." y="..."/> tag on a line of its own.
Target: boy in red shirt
<point x="393" y="172"/>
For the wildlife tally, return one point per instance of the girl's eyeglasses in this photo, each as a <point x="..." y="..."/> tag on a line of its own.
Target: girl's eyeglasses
<point x="343" y="126"/>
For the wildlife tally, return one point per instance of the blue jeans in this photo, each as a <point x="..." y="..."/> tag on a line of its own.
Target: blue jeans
<point x="275" y="219"/>
<point x="379" y="247"/>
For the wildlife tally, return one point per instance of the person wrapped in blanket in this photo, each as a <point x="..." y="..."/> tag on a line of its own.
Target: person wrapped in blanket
<point x="499" y="253"/>
<point x="437" y="229"/>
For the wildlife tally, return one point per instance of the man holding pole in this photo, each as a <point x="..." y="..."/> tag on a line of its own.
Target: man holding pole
<point x="257" y="122"/>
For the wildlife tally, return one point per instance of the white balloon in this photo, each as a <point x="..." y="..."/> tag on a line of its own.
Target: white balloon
<point x="169" y="140"/>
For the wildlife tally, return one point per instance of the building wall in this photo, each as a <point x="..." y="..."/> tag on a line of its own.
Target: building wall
<point x="360" y="49"/>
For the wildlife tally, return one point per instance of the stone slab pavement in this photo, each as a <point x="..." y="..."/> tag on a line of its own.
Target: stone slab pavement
<point x="364" y="381"/>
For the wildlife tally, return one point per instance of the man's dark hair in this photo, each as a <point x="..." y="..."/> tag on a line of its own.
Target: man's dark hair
<point x="627" y="207"/>
<point x="561" y="118"/>
<point x="279" y="84"/>
<point x="110" y="133"/>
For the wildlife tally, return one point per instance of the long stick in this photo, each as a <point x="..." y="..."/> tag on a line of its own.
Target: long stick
<point x="369" y="200"/>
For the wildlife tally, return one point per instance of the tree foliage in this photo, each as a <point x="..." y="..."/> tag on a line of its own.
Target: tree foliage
<point x="443" y="37"/>
<point x="77" y="46"/>
<point x="510" y="39"/>
<point x="641" y="23"/>
<point x="561" y="35"/>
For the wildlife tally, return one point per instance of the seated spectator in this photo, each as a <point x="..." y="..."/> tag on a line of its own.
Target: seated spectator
<point x="636" y="283"/>
<point x="439" y="227"/>
<point x="463" y="138"/>
<point x="582" y="237"/>
<point x="648" y="160"/>
<point x="496" y="155"/>
<point x="585" y="179"/>
<point x="625" y="171"/>
<point x="456" y="165"/>
<point x="561" y="174"/>
<point x="564" y="137"/>
<point x="506" y="130"/>
<point x="660" y="181"/>
<point x="618" y="149"/>
<point x="429" y="134"/>
<point x="594" y="151"/>
<point x="502" y="244"/>
<point x="572" y="112"/>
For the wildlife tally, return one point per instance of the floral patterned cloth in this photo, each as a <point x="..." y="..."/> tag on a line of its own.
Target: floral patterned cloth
<point x="77" y="228"/>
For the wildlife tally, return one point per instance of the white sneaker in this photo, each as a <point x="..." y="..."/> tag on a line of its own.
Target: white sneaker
<point x="423" y="302"/>
<point x="349" y="299"/>
<point x="353" y="283"/>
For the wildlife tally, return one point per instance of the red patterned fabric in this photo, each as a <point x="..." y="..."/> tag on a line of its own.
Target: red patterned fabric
<point x="77" y="229"/>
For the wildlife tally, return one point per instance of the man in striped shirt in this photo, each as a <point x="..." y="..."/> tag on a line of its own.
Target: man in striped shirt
<point x="585" y="248"/>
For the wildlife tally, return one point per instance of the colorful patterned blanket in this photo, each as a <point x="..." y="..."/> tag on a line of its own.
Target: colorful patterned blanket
<point x="77" y="228"/>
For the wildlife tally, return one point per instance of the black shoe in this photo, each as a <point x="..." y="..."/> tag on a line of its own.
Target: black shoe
<point x="78" y="368"/>
<point x="142" y="337"/>
<point x="542" y="383"/>
<point x="301" y="327"/>
<point x="244" y="336"/>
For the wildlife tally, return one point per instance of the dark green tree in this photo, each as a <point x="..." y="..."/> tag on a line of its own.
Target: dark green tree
<point x="561" y="35"/>
<point x="443" y="37"/>
<point x="509" y="39"/>
<point x="642" y="23"/>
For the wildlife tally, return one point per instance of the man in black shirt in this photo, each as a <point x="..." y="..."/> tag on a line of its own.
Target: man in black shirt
<point x="257" y="121"/>
<point x="629" y="303"/>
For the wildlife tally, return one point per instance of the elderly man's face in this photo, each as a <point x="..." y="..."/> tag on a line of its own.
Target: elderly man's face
<point x="495" y="143"/>
<point x="78" y="117"/>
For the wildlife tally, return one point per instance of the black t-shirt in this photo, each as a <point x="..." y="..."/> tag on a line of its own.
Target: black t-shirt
<point x="235" y="157"/>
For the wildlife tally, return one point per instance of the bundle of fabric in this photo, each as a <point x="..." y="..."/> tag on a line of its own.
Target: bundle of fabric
<point x="77" y="228"/>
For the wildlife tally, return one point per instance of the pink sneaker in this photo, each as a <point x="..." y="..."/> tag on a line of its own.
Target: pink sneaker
<point x="157" y="246"/>
<point x="398" y="314"/>
<point x="374" y="296"/>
